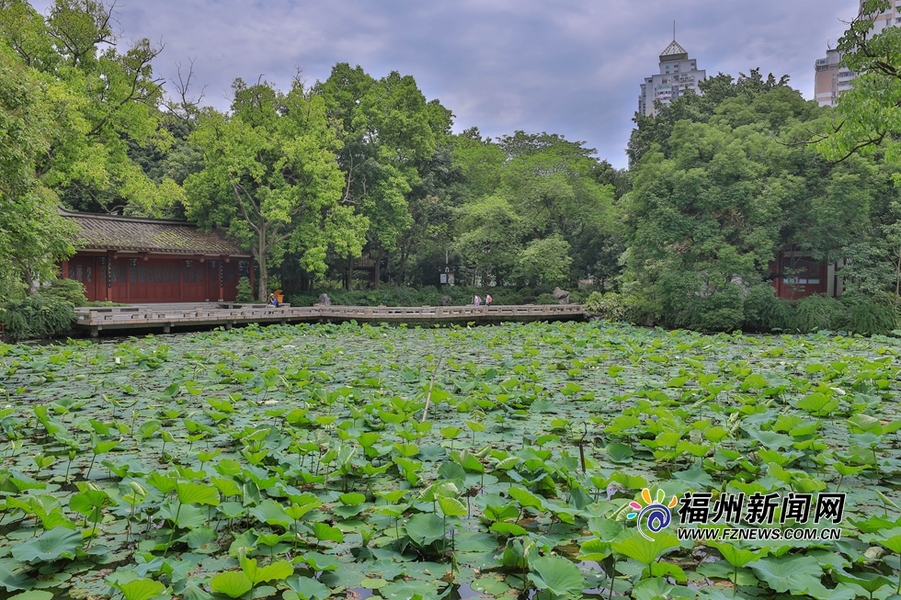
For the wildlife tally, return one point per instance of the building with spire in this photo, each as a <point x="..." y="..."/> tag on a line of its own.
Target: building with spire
<point x="678" y="74"/>
<point x="832" y="77"/>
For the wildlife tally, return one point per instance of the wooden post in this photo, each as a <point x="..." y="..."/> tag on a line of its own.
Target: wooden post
<point x="221" y="276"/>
<point x="109" y="276"/>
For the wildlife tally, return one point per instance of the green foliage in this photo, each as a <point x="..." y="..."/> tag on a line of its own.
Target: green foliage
<point x="245" y="294"/>
<point x="545" y="261"/>
<point x="818" y="312"/>
<point x="270" y="175"/>
<point x="869" y="316"/>
<point x="337" y="459"/>
<point x="37" y="316"/>
<point x="67" y="290"/>
<point x="546" y="298"/>
<point x="765" y="312"/>
<point x="866" y="119"/>
<point x="609" y="306"/>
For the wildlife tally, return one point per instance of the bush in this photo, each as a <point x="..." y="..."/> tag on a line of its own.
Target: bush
<point x="610" y="306"/>
<point x="765" y="312"/>
<point x="69" y="290"/>
<point x="38" y="316"/>
<point x="819" y="312"/>
<point x="724" y="310"/>
<point x="245" y="294"/>
<point x="868" y="316"/>
<point x="546" y="299"/>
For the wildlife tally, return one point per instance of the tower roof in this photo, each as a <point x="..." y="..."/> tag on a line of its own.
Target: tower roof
<point x="673" y="52"/>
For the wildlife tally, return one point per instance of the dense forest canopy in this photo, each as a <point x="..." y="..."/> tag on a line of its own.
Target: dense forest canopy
<point x="320" y="178"/>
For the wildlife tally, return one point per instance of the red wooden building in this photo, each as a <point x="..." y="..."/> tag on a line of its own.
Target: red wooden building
<point x="133" y="260"/>
<point x="797" y="276"/>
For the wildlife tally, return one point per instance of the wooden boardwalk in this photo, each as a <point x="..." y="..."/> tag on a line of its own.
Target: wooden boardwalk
<point x="169" y="317"/>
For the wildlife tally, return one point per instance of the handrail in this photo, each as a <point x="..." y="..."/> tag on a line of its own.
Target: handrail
<point x="94" y="316"/>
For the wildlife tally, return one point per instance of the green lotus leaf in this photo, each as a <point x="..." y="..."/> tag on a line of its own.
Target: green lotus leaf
<point x="452" y="507"/>
<point x="326" y="533"/>
<point x="233" y="584"/>
<point x="643" y="550"/>
<point x="197" y="493"/>
<point x="142" y="589"/>
<point x="59" y="542"/>
<point x="306" y="588"/>
<point x="557" y="575"/>
<point x="424" y="529"/>
<point x="271" y="512"/>
<point x="796" y="574"/>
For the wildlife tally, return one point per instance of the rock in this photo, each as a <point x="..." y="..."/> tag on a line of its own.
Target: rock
<point x="446" y="300"/>
<point x="324" y="300"/>
<point x="561" y="296"/>
<point x="528" y="299"/>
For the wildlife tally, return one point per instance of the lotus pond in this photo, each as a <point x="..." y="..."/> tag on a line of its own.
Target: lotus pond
<point x="349" y="461"/>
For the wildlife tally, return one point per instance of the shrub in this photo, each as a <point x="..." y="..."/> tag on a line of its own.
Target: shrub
<point x="868" y="316"/>
<point x="819" y="312"/>
<point x="724" y="310"/>
<point x="245" y="294"/>
<point x="69" y="290"/>
<point x="37" y="316"/>
<point x="610" y="306"/>
<point x="765" y="312"/>
<point x="546" y="299"/>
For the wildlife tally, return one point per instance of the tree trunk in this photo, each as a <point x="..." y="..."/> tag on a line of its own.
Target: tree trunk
<point x="32" y="284"/>
<point x="402" y="276"/>
<point x="378" y="267"/>
<point x="350" y="273"/>
<point x="262" y="289"/>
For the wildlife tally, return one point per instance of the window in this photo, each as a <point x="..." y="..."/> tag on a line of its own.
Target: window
<point x="801" y="271"/>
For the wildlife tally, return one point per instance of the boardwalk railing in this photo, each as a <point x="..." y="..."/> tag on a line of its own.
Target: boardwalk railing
<point x="228" y="315"/>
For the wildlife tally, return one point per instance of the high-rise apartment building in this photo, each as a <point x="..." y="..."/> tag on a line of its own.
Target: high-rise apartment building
<point x="678" y="74"/>
<point x="832" y="78"/>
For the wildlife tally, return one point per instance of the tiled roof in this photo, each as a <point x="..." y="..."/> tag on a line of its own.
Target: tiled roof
<point x="150" y="235"/>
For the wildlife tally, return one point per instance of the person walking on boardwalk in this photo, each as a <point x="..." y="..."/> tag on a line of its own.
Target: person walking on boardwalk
<point x="476" y="300"/>
<point x="488" y="299"/>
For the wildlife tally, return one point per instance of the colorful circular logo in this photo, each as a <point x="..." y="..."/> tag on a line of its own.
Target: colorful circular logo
<point x="651" y="515"/>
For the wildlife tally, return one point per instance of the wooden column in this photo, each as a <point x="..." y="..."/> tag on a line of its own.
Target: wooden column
<point x="110" y="255"/>
<point x="221" y="277"/>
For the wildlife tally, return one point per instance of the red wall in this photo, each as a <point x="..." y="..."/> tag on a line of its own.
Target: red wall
<point x="157" y="279"/>
<point x="802" y="277"/>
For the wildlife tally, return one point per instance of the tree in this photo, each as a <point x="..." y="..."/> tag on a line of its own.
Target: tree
<point x="869" y="114"/>
<point x="271" y="176"/>
<point x="388" y="131"/>
<point x="542" y="192"/>
<point x="729" y="192"/>
<point x="33" y="236"/>
<point x="102" y="102"/>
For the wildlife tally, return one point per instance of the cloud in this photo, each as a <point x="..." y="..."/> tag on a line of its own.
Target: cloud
<point x="572" y="68"/>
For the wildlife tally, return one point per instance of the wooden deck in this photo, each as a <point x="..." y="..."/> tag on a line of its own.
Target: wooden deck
<point x="169" y="317"/>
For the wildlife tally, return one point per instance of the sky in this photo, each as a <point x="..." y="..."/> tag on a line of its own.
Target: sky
<point x="571" y="67"/>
